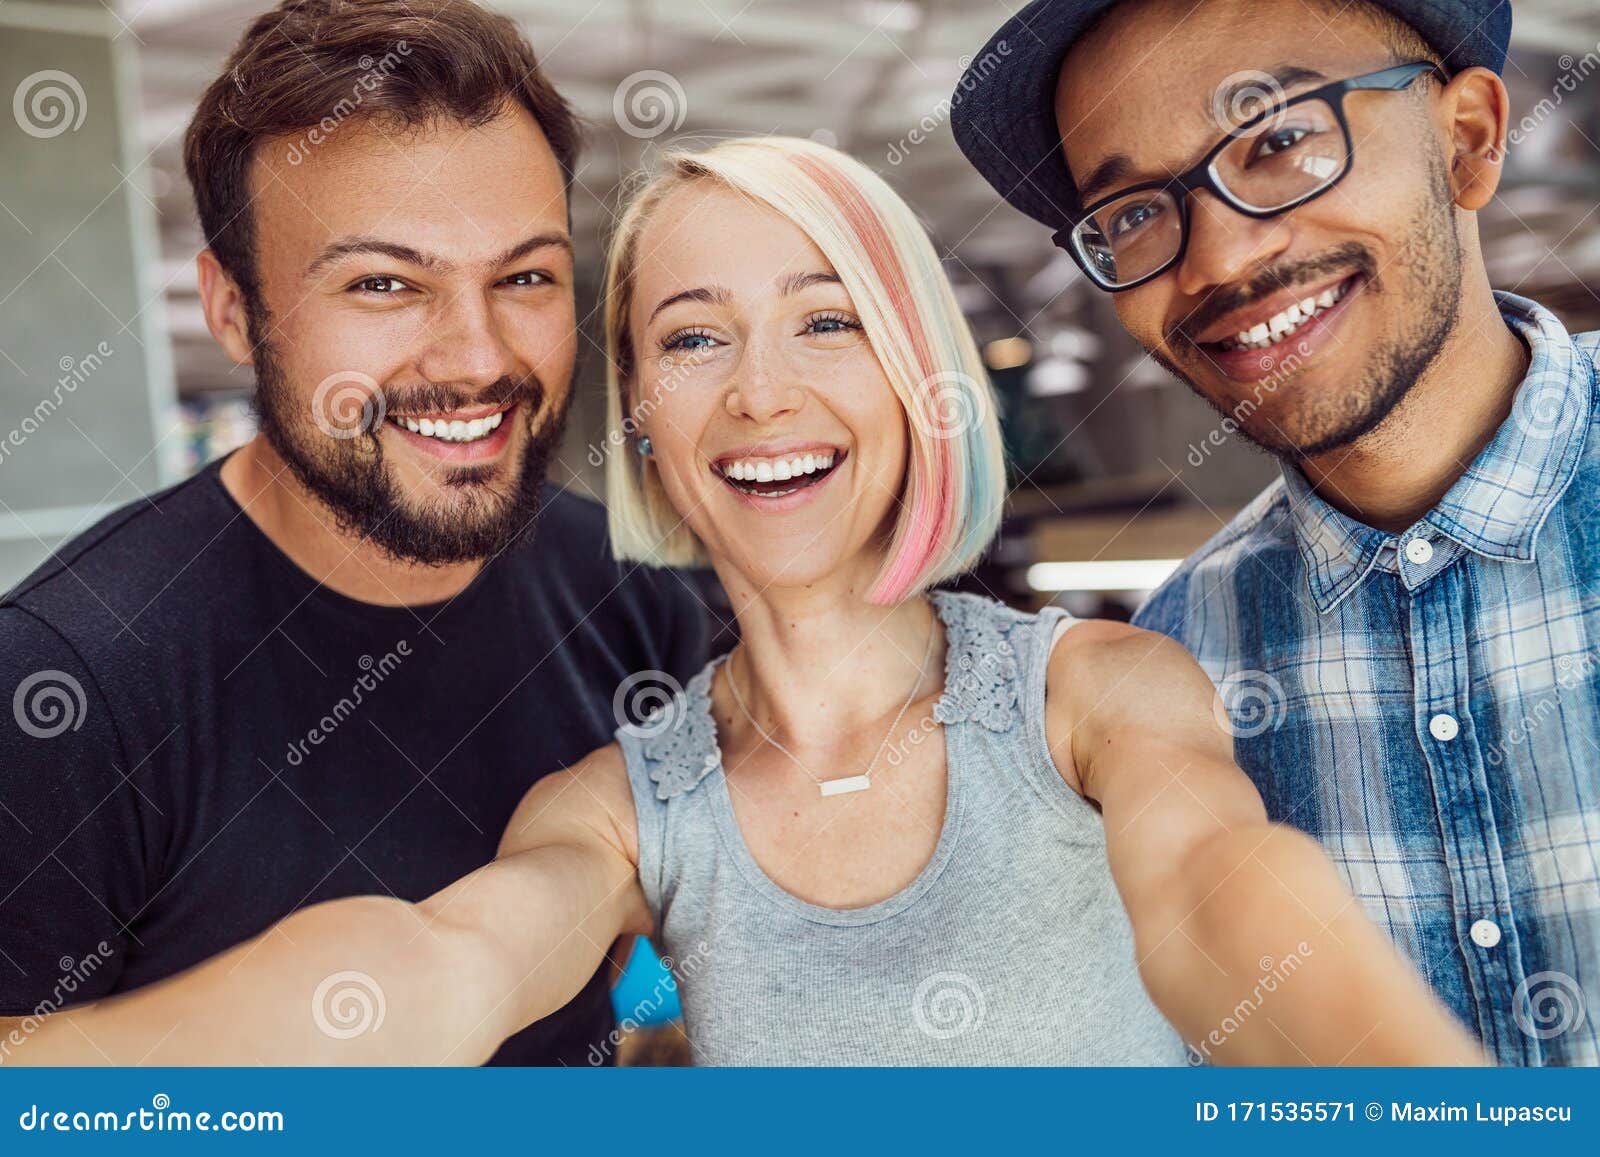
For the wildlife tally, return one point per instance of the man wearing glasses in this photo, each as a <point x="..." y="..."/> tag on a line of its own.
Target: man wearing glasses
<point x="1281" y="195"/>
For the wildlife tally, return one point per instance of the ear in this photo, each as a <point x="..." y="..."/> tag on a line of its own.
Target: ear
<point x="223" y="304"/>
<point x="1478" y="116"/>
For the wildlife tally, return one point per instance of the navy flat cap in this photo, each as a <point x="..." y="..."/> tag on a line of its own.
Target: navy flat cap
<point x="1003" y="109"/>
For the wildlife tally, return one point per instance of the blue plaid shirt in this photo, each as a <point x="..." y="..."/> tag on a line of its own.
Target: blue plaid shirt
<point x="1426" y="703"/>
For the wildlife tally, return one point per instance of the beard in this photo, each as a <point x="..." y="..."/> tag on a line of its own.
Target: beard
<point x="1428" y="266"/>
<point x="348" y="474"/>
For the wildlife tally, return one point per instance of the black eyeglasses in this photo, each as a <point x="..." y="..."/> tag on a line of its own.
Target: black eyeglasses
<point x="1276" y="161"/>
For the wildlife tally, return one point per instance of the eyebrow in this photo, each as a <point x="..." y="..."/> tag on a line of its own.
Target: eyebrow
<point x="360" y="244"/>
<point x="716" y="295"/>
<point x="1116" y="168"/>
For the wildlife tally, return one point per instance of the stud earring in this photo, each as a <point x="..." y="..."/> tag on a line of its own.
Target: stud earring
<point x="644" y="446"/>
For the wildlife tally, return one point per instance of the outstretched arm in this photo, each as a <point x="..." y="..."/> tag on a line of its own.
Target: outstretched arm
<point x="1246" y="936"/>
<point x="442" y="981"/>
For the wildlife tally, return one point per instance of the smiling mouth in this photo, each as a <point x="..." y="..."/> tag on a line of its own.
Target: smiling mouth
<point x="1287" y="322"/>
<point x="455" y="426"/>
<point x="765" y="477"/>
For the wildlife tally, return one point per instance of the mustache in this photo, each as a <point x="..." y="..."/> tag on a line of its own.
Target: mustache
<point x="435" y="396"/>
<point x="1351" y="257"/>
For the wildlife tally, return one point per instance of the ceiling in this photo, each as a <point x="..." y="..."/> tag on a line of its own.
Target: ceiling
<point x="862" y="74"/>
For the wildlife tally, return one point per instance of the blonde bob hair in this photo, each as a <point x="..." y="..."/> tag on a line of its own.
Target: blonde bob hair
<point x="955" y="479"/>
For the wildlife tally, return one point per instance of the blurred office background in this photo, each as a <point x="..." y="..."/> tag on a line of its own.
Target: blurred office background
<point x="110" y="386"/>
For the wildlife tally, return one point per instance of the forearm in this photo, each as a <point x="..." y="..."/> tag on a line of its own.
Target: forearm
<point x="1260" y="955"/>
<point x="360" y="980"/>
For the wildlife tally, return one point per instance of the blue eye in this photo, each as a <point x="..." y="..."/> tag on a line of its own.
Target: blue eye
<point x="688" y="339"/>
<point x="832" y="323"/>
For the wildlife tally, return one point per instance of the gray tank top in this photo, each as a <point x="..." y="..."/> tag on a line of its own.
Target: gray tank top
<point x="1010" y="947"/>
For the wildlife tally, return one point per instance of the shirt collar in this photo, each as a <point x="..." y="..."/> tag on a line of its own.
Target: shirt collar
<point x="1498" y="505"/>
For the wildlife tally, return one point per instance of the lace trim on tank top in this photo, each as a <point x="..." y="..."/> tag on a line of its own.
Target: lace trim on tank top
<point x="981" y="685"/>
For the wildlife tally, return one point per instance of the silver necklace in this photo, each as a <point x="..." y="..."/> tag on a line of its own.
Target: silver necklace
<point x="852" y="782"/>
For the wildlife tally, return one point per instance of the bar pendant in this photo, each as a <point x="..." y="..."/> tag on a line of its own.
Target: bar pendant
<point x="841" y="786"/>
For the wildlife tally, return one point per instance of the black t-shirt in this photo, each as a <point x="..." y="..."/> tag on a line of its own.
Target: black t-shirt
<point x="209" y="740"/>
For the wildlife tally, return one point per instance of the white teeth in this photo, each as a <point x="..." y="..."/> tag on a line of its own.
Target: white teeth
<point x="1281" y="325"/>
<point x="454" y="431"/>
<point x="777" y="469"/>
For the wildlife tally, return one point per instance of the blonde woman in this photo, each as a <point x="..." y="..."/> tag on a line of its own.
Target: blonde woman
<point x="893" y="826"/>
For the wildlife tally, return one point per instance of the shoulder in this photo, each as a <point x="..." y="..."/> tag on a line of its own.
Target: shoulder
<point x="112" y="571"/>
<point x="1261" y="528"/>
<point x="1115" y="673"/>
<point x="571" y="541"/>
<point x="591" y="800"/>
<point x="1107" y="678"/>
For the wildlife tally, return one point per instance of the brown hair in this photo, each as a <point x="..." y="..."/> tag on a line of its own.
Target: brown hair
<point x="307" y="65"/>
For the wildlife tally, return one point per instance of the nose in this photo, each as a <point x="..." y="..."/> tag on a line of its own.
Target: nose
<point x="1225" y="245"/>
<point x="467" y="344"/>
<point x="764" y="388"/>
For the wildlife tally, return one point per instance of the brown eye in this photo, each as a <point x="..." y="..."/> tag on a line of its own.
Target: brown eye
<point x="379" y="285"/>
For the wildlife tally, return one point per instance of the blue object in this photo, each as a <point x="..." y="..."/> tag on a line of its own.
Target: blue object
<point x="647" y="992"/>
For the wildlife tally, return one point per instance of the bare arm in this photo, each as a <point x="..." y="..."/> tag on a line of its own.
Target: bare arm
<point x="453" y="975"/>
<point x="1246" y="936"/>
